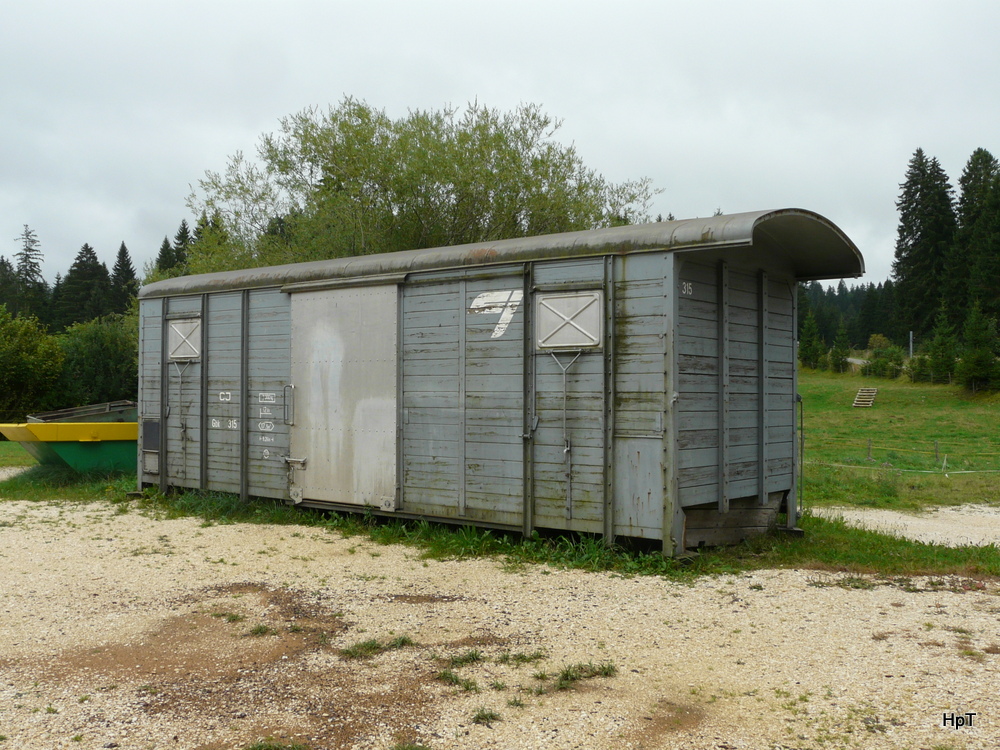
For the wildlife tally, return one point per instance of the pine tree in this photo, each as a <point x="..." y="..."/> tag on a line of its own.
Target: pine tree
<point x="924" y="238"/>
<point x="941" y="351"/>
<point x="165" y="258"/>
<point x="977" y="369"/>
<point x="85" y="291"/>
<point x="8" y="284"/>
<point x="182" y="243"/>
<point x="811" y="346"/>
<point x="969" y="258"/>
<point x="32" y="291"/>
<point x="124" y="284"/>
<point x="984" y="251"/>
<point x="841" y="350"/>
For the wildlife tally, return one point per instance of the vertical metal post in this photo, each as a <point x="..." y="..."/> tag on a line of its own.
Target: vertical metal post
<point x="723" y="348"/>
<point x="763" y="407"/>
<point x="400" y="410"/>
<point x="462" y="335"/>
<point x="244" y="431"/>
<point x="203" y="415"/>
<point x="528" y="380"/>
<point x="609" y="398"/>
<point x="794" y="497"/>
<point x="672" y="523"/>
<point x="164" y="391"/>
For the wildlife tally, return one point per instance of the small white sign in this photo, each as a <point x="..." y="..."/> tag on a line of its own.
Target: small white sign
<point x="267" y="398"/>
<point x="265" y="426"/>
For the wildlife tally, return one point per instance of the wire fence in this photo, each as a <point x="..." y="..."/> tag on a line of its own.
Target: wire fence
<point x="920" y="457"/>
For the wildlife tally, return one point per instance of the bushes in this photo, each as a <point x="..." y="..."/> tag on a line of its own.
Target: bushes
<point x="101" y="362"/>
<point x="30" y="364"/>
<point x="89" y="363"/>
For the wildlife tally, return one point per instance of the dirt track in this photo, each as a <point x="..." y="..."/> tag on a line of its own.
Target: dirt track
<point x="119" y="630"/>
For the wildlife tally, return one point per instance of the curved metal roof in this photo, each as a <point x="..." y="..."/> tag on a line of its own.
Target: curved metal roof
<point x="809" y="245"/>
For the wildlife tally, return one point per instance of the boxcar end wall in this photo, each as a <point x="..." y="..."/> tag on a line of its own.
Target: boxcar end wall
<point x="638" y="381"/>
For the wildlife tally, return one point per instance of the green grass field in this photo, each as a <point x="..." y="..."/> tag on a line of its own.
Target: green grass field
<point x="919" y="444"/>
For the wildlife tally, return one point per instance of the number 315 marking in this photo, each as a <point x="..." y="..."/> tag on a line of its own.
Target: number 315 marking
<point x="687" y="288"/>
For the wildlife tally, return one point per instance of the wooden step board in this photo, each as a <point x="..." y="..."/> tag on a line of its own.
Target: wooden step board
<point x="865" y="397"/>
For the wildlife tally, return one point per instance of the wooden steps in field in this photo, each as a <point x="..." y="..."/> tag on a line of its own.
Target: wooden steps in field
<point x="865" y="397"/>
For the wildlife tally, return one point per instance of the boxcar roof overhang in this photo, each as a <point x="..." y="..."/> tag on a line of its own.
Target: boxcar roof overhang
<point x="805" y="243"/>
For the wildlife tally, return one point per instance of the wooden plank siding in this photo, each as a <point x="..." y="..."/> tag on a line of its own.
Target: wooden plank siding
<point x="735" y="364"/>
<point x="462" y="400"/>
<point x="569" y="485"/>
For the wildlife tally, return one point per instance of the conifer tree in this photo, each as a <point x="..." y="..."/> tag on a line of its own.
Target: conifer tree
<point x="165" y="258"/>
<point x="984" y="252"/>
<point x="841" y="350"/>
<point x="941" y="351"/>
<point x="969" y="258"/>
<point x="811" y="346"/>
<point x="32" y="291"/>
<point x="924" y="239"/>
<point x="8" y="284"/>
<point x="124" y="284"/>
<point x="85" y="291"/>
<point x="182" y="243"/>
<point x="977" y="369"/>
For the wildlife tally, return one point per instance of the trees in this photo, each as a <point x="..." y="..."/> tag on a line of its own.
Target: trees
<point x="977" y="367"/>
<point x="972" y="264"/>
<point x="941" y="351"/>
<point x="32" y="291"/>
<point x="924" y="237"/>
<point x="841" y="350"/>
<point x="811" y="346"/>
<point x="84" y="293"/>
<point x="124" y="284"/>
<point x="100" y="362"/>
<point x="351" y="181"/>
<point x="30" y="364"/>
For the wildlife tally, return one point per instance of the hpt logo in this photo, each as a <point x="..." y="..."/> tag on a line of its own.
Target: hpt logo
<point x="504" y="303"/>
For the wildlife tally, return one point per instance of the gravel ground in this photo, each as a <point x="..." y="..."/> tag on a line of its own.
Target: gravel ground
<point x="121" y="630"/>
<point x="956" y="526"/>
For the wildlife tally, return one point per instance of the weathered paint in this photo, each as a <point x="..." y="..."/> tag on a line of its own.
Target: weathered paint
<point x="636" y="381"/>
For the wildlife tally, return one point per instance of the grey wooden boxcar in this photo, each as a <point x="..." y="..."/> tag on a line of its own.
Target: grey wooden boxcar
<point x="636" y="381"/>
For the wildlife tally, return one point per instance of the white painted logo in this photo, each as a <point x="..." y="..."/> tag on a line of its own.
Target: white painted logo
<point x="225" y="395"/>
<point x="265" y="426"/>
<point x="504" y="303"/>
<point x="267" y="398"/>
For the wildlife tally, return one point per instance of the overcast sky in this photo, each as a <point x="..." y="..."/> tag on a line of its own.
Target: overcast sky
<point x="112" y="111"/>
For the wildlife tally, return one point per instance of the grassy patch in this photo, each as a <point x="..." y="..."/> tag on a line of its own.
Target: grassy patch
<point x="485" y="716"/>
<point x="449" y="677"/>
<point x="12" y="454"/>
<point x="573" y="673"/>
<point x="828" y="544"/>
<point x="45" y="483"/>
<point x="919" y="445"/>
<point x="272" y="745"/>
<point x="373" y="647"/>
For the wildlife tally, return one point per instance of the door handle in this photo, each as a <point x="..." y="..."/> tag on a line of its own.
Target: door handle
<point x="288" y="404"/>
